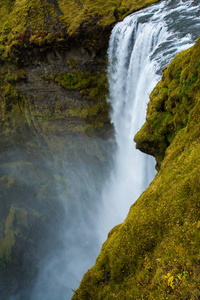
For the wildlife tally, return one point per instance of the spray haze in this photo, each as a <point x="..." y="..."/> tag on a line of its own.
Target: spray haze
<point x="61" y="271"/>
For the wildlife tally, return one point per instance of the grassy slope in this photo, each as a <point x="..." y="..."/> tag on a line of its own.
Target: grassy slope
<point x="154" y="254"/>
<point x="39" y="21"/>
<point x="104" y="10"/>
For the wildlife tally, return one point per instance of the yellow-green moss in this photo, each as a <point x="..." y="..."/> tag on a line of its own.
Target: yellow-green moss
<point x="170" y="103"/>
<point x="20" y="117"/>
<point x="36" y="22"/>
<point x="154" y="254"/>
<point x="16" y="224"/>
<point x="82" y="11"/>
<point x="25" y="23"/>
<point x="16" y="117"/>
<point x="93" y="86"/>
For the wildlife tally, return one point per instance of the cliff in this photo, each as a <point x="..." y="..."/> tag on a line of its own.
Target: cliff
<point x="154" y="254"/>
<point x="36" y="23"/>
<point x="55" y="51"/>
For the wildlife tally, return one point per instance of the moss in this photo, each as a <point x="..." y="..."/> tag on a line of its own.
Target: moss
<point x="7" y="181"/>
<point x="34" y="22"/>
<point x="154" y="254"/>
<point x="14" y="75"/>
<point x="16" y="114"/>
<point x="93" y="87"/>
<point x="17" y="223"/>
<point x="20" y="117"/>
<point x="82" y="11"/>
<point x="170" y="102"/>
<point x="90" y="83"/>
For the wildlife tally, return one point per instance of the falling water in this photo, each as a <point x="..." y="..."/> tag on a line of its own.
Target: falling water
<point x="140" y="47"/>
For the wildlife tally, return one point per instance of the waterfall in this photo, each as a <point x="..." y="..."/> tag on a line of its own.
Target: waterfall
<point x="139" y="48"/>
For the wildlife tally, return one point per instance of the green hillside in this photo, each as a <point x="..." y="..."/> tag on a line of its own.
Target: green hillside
<point x="36" y="22"/>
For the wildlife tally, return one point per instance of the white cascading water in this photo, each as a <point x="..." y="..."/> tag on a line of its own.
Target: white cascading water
<point x="139" y="48"/>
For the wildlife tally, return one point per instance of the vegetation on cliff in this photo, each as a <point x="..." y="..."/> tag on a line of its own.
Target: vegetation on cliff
<point x="36" y="22"/>
<point x="43" y="35"/>
<point x="154" y="254"/>
<point x="170" y="103"/>
<point x="78" y="103"/>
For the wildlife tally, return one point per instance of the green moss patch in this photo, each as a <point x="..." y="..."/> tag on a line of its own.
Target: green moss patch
<point x="33" y="23"/>
<point x="93" y="87"/>
<point x="170" y="103"/>
<point x="18" y="222"/>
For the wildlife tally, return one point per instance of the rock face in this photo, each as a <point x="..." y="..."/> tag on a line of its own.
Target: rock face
<point x="41" y="121"/>
<point x="53" y="55"/>
<point x="59" y="86"/>
<point x="154" y="254"/>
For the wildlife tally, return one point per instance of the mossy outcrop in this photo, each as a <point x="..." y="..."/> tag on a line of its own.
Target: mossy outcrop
<point x="53" y="54"/>
<point x="170" y="103"/>
<point x="154" y="254"/>
<point x="64" y="96"/>
<point x="35" y="23"/>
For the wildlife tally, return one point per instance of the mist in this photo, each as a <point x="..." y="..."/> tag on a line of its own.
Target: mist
<point x="60" y="184"/>
<point x="62" y="270"/>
